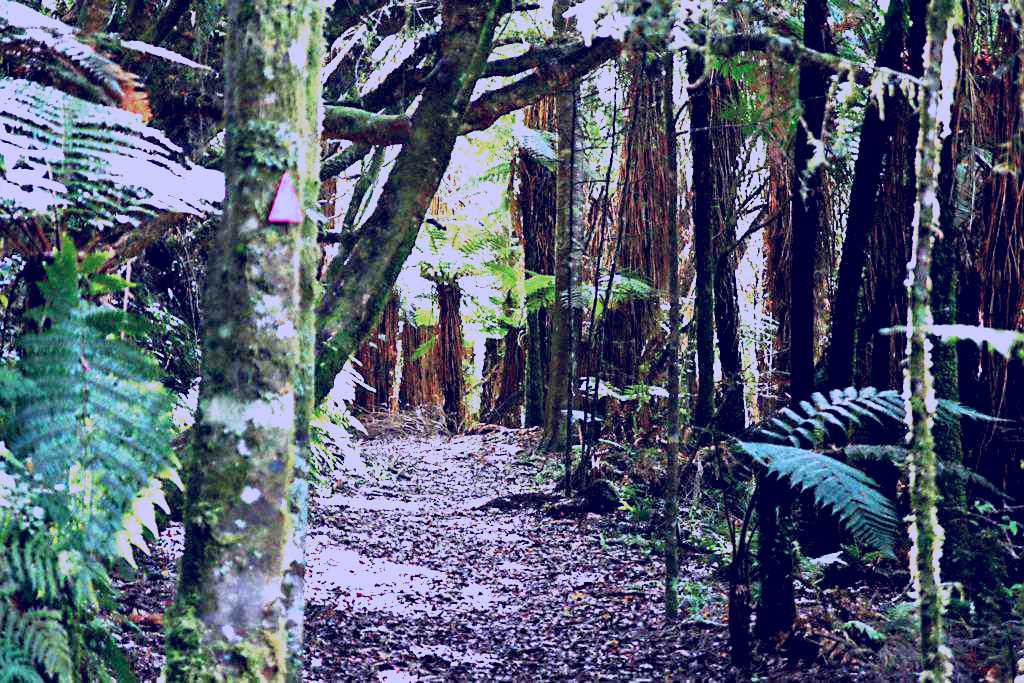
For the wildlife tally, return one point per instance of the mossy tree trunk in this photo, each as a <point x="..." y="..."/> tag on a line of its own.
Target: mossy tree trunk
<point x="704" y="257"/>
<point x="561" y="370"/>
<point x="239" y="589"/>
<point x="939" y="83"/>
<point x="673" y="438"/>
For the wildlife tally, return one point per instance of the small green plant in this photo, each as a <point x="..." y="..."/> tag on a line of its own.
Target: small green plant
<point x="636" y="502"/>
<point x="89" y="427"/>
<point x="697" y="597"/>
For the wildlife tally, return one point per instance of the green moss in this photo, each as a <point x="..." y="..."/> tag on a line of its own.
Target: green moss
<point x="187" y="660"/>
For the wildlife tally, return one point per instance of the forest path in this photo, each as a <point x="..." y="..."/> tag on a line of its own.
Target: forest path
<point x="408" y="582"/>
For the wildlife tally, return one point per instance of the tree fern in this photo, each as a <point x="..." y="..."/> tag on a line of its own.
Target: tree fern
<point x="832" y="419"/>
<point x="74" y="147"/>
<point x="90" y="165"/>
<point x="99" y="421"/>
<point x="844" y="490"/>
<point x="36" y="47"/>
<point x="791" y="435"/>
<point x="89" y="445"/>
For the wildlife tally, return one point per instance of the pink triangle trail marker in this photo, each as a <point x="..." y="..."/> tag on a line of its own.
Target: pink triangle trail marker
<point x="286" y="207"/>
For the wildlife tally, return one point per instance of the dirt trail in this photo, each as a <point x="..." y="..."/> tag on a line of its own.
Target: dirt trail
<point x="409" y="582"/>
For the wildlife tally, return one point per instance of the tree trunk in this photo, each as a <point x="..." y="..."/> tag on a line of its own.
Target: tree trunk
<point x="238" y="598"/>
<point x="673" y="437"/>
<point x="875" y="135"/>
<point x="561" y="371"/>
<point x="451" y="354"/>
<point x="378" y="358"/>
<point x="703" y="218"/>
<point x="776" y="609"/>
<point x="807" y="204"/>
<point x="632" y="327"/>
<point x="357" y="288"/>
<point x="940" y="73"/>
<point x="419" y="385"/>
<point x="534" y="206"/>
<point x="731" y="415"/>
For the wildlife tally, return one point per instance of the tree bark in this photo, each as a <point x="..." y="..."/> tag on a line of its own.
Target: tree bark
<point x="562" y="369"/>
<point x="939" y="82"/>
<point x="731" y="415"/>
<point x="776" y="608"/>
<point x="875" y="134"/>
<point x="419" y="385"/>
<point x="704" y="259"/>
<point x="673" y="438"/>
<point x="807" y="204"/>
<point x="451" y="354"/>
<point x="237" y="597"/>
<point x="534" y="208"/>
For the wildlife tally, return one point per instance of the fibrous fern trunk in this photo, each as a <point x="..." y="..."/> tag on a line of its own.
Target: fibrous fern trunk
<point x="926" y="534"/>
<point x="239" y="590"/>
<point x="704" y="258"/>
<point x="534" y="206"/>
<point x="876" y="132"/>
<point x="451" y="353"/>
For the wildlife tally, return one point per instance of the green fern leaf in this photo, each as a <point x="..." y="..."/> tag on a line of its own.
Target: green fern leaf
<point x="849" y="493"/>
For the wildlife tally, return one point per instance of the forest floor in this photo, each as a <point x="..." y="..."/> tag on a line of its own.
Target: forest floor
<point x="413" y="577"/>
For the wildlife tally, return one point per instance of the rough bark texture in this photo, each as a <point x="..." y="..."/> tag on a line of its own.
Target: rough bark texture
<point x="1001" y="294"/>
<point x="875" y="135"/>
<point x="632" y="326"/>
<point x="235" y="604"/>
<point x="419" y="385"/>
<point x="534" y="208"/>
<point x="503" y="376"/>
<point x="778" y="238"/>
<point x="704" y="258"/>
<point x="378" y="358"/>
<point x="940" y="74"/>
<point x="731" y="415"/>
<point x="451" y="354"/>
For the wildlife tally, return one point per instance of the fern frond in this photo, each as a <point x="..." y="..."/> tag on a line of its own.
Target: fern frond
<point x="831" y="419"/>
<point x="36" y="47"/>
<point x="846" y="491"/>
<point x="37" y="636"/>
<point x="897" y="456"/>
<point x="88" y="165"/>
<point x="98" y="427"/>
